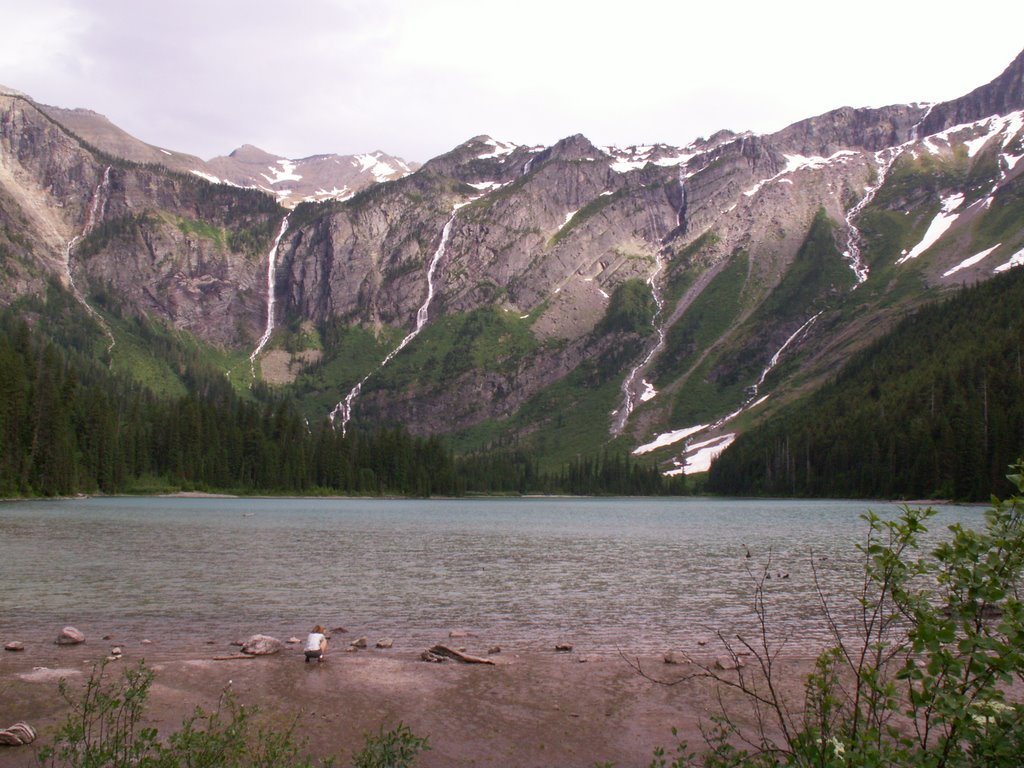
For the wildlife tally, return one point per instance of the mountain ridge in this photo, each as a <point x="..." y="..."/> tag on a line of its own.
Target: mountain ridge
<point x="749" y="266"/>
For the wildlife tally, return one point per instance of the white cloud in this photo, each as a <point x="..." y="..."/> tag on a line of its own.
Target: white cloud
<point x="416" y="78"/>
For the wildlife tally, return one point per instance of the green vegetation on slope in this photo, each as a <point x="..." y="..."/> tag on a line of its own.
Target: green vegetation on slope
<point x="933" y="409"/>
<point x="704" y="321"/>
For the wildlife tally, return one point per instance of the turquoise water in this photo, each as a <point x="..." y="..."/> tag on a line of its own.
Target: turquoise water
<point x="639" y="575"/>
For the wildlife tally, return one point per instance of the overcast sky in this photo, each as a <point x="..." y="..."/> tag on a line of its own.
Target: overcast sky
<point x="418" y="77"/>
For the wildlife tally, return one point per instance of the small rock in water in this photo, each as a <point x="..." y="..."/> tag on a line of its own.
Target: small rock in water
<point x="70" y="636"/>
<point x="729" y="662"/>
<point x="115" y="651"/>
<point x="340" y="630"/>
<point x="493" y="650"/>
<point x="147" y="642"/>
<point x="387" y="642"/>
<point x="359" y="642"/>
<point x="293" y="640"/>
<point x="15" y="645"/>
<point x="563" y="647"/>
<point x="459" y="633"/>
<point x="677" y="657"/>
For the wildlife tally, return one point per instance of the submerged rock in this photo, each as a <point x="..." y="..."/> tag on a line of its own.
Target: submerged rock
<point x="15" y="645"/>
<point x="729" y="662"/>
<point x="677" y="657"/>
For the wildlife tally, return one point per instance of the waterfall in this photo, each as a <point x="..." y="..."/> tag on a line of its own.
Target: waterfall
<point x="887" y="157"/>
<point x="344" y="408"/>
<point x="98" y="200"/>
<point x="632" y="391"/>
<point x="271" y="290"/>
<point x="778" y="354"/>
<point x="853" y="253"/>
<point x="630" y="388"/>
<point x="681" y="213"/>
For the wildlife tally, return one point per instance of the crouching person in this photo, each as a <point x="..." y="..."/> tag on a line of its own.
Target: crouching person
<point x="316" y="644"/>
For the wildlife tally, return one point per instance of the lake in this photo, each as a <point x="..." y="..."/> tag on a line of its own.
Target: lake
<point x="641" y="575"/>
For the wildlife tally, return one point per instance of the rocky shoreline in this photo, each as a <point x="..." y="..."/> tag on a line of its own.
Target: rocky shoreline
<point x="503" y="708"/>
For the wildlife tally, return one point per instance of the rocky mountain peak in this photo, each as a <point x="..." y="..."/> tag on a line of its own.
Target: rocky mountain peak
<point x="576" y="147"/>
<point x="247" y="153"/>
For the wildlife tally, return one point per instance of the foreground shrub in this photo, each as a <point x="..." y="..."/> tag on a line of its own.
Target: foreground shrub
<point x="102" y="730"/>
<point x="920" y="678"/>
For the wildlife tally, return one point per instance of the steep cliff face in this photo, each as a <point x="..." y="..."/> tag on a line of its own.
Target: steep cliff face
<point x="562" y="296"/>
<point x="1002" y="96"/>
<point x="154" y="243"/>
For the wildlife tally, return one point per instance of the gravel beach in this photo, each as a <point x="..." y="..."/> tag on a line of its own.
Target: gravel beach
<point x="527" y="709"/>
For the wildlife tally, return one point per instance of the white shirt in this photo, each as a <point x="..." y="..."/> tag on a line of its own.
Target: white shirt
<point x="314" y="640"/>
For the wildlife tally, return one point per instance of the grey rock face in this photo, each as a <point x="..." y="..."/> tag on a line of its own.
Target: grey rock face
<point x="1002" y="95"/>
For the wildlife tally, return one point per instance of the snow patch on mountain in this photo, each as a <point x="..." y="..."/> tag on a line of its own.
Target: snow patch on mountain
<point x="970" y="262"/>
<point x="1008" y="126"/>
<point x="683" y="159"/>
<point x="345" y="193"/>
<point x="800" y="162"/>
<point x="700" y="455"/>
<point x="208" y="176"/>
<point x="285" y="173"/>
<point x="668" y="438"/>
<point x="635" y="158"/>
<point x="379" y="169"/>
<point x="498" y="149"/>
<point x="1017" y="260"/>
<point x="487" y="186"/>
<point x="943" y="220"/>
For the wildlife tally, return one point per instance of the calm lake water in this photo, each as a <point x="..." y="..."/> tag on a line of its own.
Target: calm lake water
<point x="643" y="575"/>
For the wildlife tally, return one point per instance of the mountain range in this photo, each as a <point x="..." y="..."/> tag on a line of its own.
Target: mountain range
<point x="564" y="299"/>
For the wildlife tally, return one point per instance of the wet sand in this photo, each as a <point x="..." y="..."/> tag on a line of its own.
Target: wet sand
<point x="536" y="709"/>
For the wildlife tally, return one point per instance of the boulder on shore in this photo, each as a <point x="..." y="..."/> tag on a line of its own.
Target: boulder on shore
<point x="17" y="735"/>
<point x="262" y="645"/>
<point x="70" y="636"/>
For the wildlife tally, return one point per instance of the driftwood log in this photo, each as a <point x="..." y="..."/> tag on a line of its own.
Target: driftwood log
<point x="450" y="653"/>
